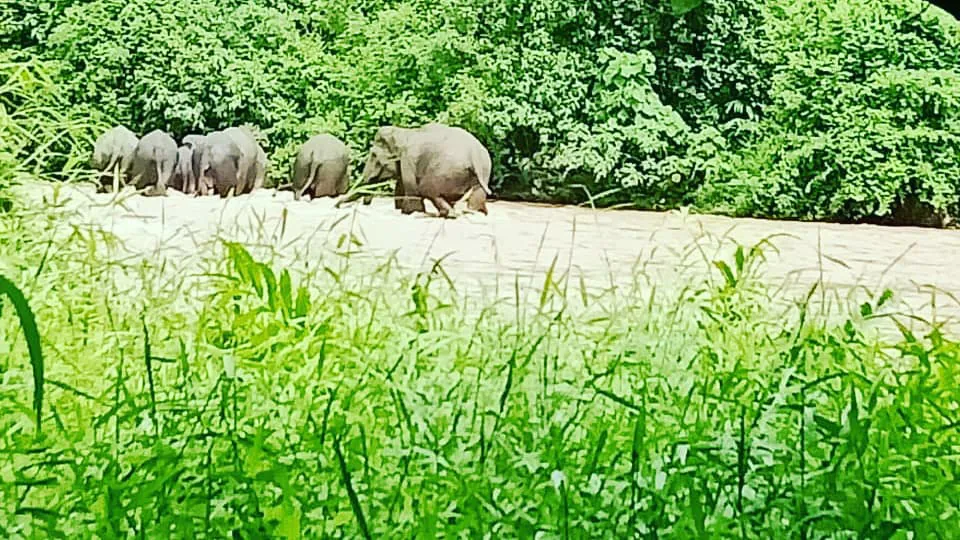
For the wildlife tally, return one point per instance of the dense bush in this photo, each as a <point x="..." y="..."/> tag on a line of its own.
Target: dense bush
<point x="864" y="117"/>
<point x="811" y="110"/>
<point x="41" y="134"/>
<point x="551" y="89"/>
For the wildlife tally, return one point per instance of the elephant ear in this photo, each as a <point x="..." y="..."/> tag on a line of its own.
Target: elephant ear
<point x="376" y="152"/>
<point x="386" y="139"/>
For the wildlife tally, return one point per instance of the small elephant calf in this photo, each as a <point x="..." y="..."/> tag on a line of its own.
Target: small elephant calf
<point x="183" y="177"/>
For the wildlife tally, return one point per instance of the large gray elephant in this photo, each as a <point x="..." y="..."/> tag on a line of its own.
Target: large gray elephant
<point x="153" y="163"/>
<point x="321" y="168"/>
<point x="434" y="161"/>
<point x="221" y="161"/>
<point x="252" y="166"/>
<point x="113" y="154"/>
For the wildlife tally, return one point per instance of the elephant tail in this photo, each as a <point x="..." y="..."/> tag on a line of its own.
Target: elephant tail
<point x="112" y="162"/>
<point x="312" y="174"/>
<point x="481" y="168"/>
<point x="158" y="165"/>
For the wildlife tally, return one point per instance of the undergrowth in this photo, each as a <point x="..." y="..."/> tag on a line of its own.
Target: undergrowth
<point x="240" y="397"/>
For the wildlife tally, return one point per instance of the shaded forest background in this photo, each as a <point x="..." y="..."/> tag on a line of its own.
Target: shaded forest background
<point x="844" y="110"/>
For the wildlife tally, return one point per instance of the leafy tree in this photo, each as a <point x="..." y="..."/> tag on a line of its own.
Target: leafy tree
<point x="844" y="110"/>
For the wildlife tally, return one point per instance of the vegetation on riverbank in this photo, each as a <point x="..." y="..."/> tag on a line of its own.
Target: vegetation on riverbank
<point x="249" y="399"/>
<point x="842" y="110"/>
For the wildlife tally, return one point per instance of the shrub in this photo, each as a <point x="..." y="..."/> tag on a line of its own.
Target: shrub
<point x="41" y="135"/>
<point x="845" y="110"/>
<point x="547" y="87"/>
<point x="864" y="116"/>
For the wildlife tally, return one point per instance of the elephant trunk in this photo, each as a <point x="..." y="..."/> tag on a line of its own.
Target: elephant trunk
<point x="367" y="170"/>
<point x="372" y="169"/>
<point x="112" y="162"/>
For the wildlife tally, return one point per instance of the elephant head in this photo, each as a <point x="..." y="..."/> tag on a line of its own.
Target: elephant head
<point x="383" y="161"/>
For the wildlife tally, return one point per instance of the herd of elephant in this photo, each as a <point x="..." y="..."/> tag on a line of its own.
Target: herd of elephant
<point x="435" y="162"/>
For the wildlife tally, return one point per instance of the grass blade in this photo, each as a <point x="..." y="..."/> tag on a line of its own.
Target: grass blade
<point x="351" y="493"/>
<point x="28" y="324"/>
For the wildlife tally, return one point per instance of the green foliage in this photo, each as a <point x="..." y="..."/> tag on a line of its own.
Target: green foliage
<point x="840" y="110"/>
<point x="534" y="81"/>
<point x="41" y="135"/>
<point x="252" y="400"/>
<point x="865" y="116"/>
<point x="342" y="403"/>
<point x="631" y="136"/>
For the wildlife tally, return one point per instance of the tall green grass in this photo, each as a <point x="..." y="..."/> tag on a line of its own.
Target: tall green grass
<point x="241" y="398"/>
<point x="40" y="135"/>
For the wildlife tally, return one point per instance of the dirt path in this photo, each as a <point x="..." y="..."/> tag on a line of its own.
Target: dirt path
<point x="604" y="247"/>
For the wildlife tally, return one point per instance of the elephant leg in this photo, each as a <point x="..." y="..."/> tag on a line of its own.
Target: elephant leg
<point x="125" y="163"/>
<point x="477" y="201"/>
<point x="165" y="171"/>
<point x="398" y="194"/>
<point x="116" y="177"/>
<point x="241" y="183"/>
<point x="406" y="200"/>
<point x="443" y="207"/>
<point x="260" y="177"/>
<point x="343" y="182"/>
<point x="252" y="175"/>
<point x="411" y="204"/>
<point x="153" y="189"/>
<point x="302" y="178"/>
<point x="227" y="189"/>
<point x="412" y="196"/>
<point x="103" y="183"/>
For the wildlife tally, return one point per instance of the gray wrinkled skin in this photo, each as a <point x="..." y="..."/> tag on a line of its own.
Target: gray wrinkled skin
<point x="261" y="166"/>
<point x="221" y="159"/>
<point x="153" y="163"/>
<point x="435" y="161"/>
<point x="195" y="143"/>
<point x="193" y="140"/>
<point x="183" y="177"/>
<point x="113" y="149"/>
<point x="252" y="166"/>
<point x="321" y="168"/>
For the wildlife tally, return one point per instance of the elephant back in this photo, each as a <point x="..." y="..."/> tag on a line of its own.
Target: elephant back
<point x="116" y="144"/>
<point x="478" y="154"/>
<point x="157" y="144"/>
<point x="328" y="147"/>
<point x="253" y="158"/>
